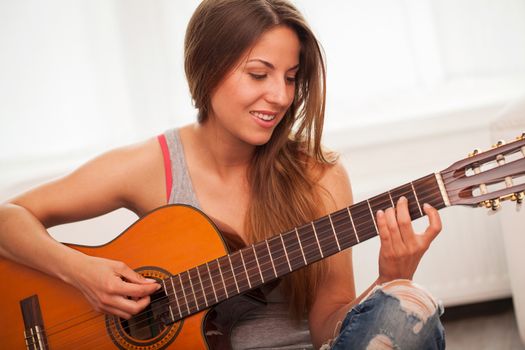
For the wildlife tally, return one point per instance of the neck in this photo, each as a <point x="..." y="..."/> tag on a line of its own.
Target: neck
<point x="221" y="149"/>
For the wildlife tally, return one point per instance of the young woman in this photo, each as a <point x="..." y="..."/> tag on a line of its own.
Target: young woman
<point x="252" y="162"/>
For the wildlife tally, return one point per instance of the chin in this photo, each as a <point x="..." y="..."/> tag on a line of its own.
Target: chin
<point x="259" y="141"/>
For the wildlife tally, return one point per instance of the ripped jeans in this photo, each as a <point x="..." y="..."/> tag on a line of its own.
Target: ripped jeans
<point x="396" y="315"/>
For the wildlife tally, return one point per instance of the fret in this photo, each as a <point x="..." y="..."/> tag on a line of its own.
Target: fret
<point x="171" y="313"/>
<point x="175" y="295"/>
<point x="202" y="287"/>
<point x="333" y="230"/>
<point x="271" y="259"/>
<point x="252" y="266"/>
<point x="429" y="192"/>
<point x="293" y="249"/>
<point x="278" y="255"/>
<point x="391" y="200"/>
<point x="188" y="306"/>
<point x="245" y="270"/>
<point x="265" y="261"/>
<point x="300" y="246"/>
<point x="222" y="278"/>
<point x="342" y="225"/>
<point x="353" y="225"/>
<point x="239" y="271"/>
<point x="177" y="285"/>
<point x="372" y="215"/>
<point x="380" y="202"/>
<point x="217" y="280"/>
<point x="225" y="268"/>
<point x="363" y="221"/>
<point x="317" y="240"/>
<point x="206" y="283"/>
<point x="310" y="247"/>
<point x="233" y="273"/>
<point x="285" y="252"/>
<point x="327" y="238"/>
<point x="257" y="260"/>
<point x="417" y="199"/>
<point x="212" y="284"/>
<point x="193" y="290"/>
<point x="406" y="191"/>
<point x="169" y="299"/>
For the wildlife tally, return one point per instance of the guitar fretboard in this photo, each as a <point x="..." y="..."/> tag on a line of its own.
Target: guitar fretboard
<point x="205" y="285"/>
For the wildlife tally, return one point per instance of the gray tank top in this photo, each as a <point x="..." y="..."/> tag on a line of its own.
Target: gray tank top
<point x="266" y="327"/>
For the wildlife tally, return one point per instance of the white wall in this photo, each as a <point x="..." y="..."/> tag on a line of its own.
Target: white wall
<point x="78" y="77"/>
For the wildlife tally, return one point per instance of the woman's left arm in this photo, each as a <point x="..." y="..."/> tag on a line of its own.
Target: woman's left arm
<point x="400" y="253"/>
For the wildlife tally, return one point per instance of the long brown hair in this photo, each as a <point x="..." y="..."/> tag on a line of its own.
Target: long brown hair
<point x="283" y="187"/>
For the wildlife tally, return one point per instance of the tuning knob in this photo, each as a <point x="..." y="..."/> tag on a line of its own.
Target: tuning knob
<point x="518" y="197"/>
<point x="476" y="151"/>
<point x="495" y="204"/>
<point x="499" y="144"/>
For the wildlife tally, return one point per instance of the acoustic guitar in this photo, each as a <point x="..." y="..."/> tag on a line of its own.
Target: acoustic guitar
<point x="204" y="284"/>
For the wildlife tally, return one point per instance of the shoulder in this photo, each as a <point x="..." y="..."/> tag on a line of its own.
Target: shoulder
<point x="130" y="176"/>
<point x="334" y="185"/>
<point x="127" y="162"/>
<point x="139" y="170"/>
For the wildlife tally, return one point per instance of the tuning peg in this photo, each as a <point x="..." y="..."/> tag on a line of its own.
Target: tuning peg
<point x="518" y="197"/>
<point x="493" y="204"/>
<point x="476" y="151"/>
<point x="521" y="137"/>
<point x="487" y="204"/>
<point x="498" y="144"/>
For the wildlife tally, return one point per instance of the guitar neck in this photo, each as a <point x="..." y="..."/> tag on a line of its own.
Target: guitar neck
<point x="230" y="275"/>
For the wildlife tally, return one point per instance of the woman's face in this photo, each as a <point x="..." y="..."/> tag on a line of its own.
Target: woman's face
<point x="252" y="98"/>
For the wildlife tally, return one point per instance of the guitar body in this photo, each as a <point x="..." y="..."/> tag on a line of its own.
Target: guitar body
<point x="168" y="240"/>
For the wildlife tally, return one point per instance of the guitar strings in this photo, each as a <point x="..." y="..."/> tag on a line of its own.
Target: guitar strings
<point x="190" y="277"/>
<point x="265" y="267"/>
<point x="188" y="289"/>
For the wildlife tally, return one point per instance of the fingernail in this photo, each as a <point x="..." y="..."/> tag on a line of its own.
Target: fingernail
<point x="426" y="206"/>
<point x="158" y="286"/>
<point x="402" y="198"/>
<point x="380" y="212"/>
<point x="150" y="280"/>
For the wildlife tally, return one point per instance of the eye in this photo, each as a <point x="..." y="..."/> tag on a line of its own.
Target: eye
<point x="291" y="80"/>
<point x="257" y="76"/>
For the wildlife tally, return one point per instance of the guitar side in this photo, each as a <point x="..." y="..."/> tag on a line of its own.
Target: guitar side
<point x="173" y="238"/>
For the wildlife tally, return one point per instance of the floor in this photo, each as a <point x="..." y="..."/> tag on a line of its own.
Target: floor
<point x="484" y="326"/>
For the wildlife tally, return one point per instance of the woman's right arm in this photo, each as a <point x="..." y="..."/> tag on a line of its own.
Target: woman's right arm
<point x="120" y="178"/>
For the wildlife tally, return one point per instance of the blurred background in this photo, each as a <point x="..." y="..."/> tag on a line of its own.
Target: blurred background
<point x="413" y="85"/>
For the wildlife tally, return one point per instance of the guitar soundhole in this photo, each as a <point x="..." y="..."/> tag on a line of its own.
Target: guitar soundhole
<point x="151" y="329"/>
<point x="151" y="321"/>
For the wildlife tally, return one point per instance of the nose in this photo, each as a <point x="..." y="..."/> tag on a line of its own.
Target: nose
<point x="279" y="93"/>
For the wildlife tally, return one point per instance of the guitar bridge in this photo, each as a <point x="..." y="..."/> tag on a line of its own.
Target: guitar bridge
<point x="34" y="333"/>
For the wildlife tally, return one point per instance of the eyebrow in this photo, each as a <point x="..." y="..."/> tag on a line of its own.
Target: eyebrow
<point x="269" y="65"/>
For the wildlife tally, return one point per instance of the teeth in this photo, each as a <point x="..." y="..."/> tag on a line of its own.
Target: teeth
<point x="266" y="117"/>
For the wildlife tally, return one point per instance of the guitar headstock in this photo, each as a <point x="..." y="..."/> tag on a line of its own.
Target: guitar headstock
<point x="488" y="178"/>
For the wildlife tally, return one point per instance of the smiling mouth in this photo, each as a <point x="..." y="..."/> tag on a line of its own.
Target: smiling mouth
<point x="262" y="116"/>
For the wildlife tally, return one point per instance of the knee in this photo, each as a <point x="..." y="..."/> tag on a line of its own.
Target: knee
<point x="420" y="326"/>
<point x="413" y="300"/>
<point x="395" y="315"/>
